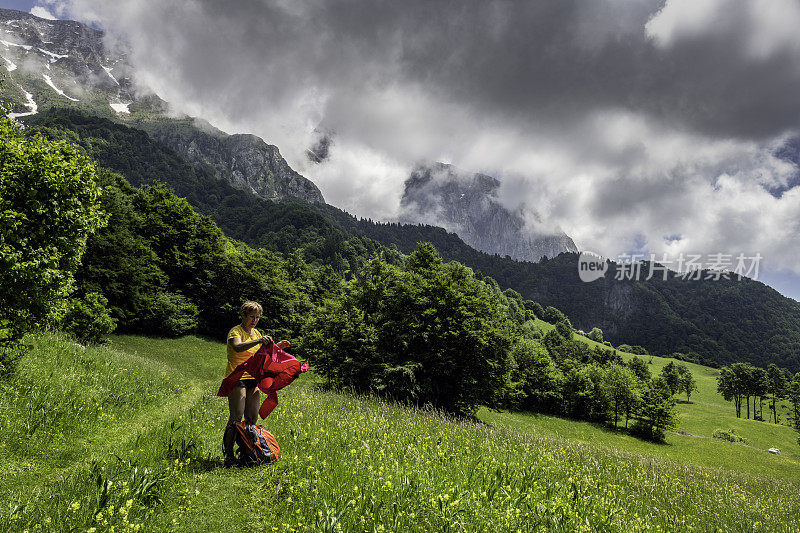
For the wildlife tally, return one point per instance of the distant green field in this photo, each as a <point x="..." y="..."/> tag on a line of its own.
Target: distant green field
<point x="128" y="436"/>
<point x="706" y="412"/>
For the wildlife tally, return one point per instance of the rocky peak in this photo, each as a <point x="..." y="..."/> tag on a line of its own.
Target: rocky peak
<point x="245" y="160"/>
<point x="467" y="204"/>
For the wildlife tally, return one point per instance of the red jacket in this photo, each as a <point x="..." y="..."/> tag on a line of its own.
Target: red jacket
<point x="272" y="368"/>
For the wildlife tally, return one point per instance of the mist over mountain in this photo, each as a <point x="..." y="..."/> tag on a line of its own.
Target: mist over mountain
<point x="646" y="127"/>
<point x="468" y="205"/>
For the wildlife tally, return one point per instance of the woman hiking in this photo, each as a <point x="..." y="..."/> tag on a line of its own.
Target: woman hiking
<point x="243" y="341"/>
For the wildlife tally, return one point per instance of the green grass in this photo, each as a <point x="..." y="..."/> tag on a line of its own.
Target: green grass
<point x="150" y="460"/>
<point x="697" y="421"/>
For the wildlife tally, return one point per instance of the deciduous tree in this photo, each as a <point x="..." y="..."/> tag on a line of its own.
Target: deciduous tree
<point x="49" y="205"/>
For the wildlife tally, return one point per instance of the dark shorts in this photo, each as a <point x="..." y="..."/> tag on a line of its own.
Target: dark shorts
<point x="247" y="383"/>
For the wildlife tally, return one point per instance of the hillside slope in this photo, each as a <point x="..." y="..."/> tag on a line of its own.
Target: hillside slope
<point x="355" y="462"/>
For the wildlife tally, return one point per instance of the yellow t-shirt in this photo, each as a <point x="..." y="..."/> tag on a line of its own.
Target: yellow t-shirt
<point x="237" y="358"/>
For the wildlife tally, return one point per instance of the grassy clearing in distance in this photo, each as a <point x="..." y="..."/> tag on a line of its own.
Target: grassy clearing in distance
<point x="349" y="464"/>
<point x="706" y="412"/>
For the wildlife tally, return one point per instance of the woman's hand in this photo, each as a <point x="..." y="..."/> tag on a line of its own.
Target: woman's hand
<point x="265" y="339"/>
<point x="284" y="344"/>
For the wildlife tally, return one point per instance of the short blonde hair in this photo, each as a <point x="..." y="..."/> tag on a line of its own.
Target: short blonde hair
<point x="251" y="307"/>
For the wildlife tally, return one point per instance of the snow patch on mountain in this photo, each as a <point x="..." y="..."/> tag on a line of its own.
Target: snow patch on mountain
<point x="30" y="104"/>
<point x="108" y="71"/>
<point x="119" y="107"/>
<point x="9" y="44"/>
<point x="10" y="65"/>
<point x="53" y="57"/>
<point x="56" y="89"/>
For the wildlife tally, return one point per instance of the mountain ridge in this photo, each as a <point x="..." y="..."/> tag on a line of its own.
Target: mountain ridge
<point x="720" y="321"/>
<point x="79" y="71"/>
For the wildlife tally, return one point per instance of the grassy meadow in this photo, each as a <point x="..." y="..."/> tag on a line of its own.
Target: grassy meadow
<point x="127" y="437"/>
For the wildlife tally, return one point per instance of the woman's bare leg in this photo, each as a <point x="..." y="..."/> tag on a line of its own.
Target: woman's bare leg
<point x="236" y="406"/>
<point x="252" y="404"/>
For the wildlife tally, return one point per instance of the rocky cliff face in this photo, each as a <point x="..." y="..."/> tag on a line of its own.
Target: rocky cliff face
<point x="467" y="205"/>
<point x="244" y="160"/>
<point x="58" y="63"/>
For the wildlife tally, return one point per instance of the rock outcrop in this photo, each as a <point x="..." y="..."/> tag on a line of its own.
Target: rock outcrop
<point x="467" y="205"/>
<point x="244" y="160"/>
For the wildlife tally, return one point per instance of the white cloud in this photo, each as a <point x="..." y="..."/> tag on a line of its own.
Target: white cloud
<point x="42" y="12"/>
<point x="763" y="27"/>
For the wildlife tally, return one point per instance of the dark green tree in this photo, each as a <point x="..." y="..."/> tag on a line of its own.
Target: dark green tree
<point x="640" y="369"/>
<point x="776" y="387"/>
<point x="585" y="395"/>
<point x="596" y="334"/>
<point x="672" y="376"/>
<point x="535" y="308"/>
<point x="793" y="395"/>
<point x="657" y="413"/>
<point x="687" y="383"/>
<point x="745" y="381"/>
<point x="536" y="377"/>
<point x="759" y="386"/>
<point x="564" y="328"/>
<point x="621" y="388"/>
<point x="553" y="315"/>
<point x="731" y="389"/>
<point x="430" y="333"/>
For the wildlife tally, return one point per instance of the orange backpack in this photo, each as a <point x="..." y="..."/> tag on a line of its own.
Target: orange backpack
<point x="256" y="445"/>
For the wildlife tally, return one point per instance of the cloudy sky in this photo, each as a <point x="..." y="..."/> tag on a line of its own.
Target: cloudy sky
<point x="633" y="126"/>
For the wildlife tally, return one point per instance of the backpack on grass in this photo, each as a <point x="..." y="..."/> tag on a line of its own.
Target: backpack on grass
<point x="255" y="445"/>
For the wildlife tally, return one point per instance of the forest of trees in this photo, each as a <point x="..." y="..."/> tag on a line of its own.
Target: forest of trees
<point x="413" y="328"/>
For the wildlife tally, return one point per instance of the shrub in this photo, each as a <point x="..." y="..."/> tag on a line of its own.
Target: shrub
<point x="564" y="329"/>
<point x="553" y="315"/>
<point x="535" y="307"/>
<point x="167" y="313"/>
<point x="87" y="318"/>
<point x="49" y="205"/>
<point x="596" y="335"/>
<point x="729" y="435"/>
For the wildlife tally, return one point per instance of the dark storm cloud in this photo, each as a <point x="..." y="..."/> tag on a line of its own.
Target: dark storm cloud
<point x="535" y="61"/>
